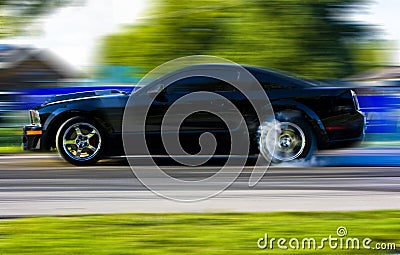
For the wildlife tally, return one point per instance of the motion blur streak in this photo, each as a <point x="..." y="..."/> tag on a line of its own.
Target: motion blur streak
<point x="30" y="188"/>
<point x="315" y="39"/>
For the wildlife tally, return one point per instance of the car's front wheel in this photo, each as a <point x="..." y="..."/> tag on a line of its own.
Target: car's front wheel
<point x="286" y="140"/>
<point x="80" y="141"/>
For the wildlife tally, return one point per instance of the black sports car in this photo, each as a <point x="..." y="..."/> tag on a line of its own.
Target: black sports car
<point x="86" y="127"/>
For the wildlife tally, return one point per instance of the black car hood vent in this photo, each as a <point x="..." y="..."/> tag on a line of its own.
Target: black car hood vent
<point x="84" y="95"/>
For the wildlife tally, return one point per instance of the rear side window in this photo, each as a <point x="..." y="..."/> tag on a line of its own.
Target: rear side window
<point x="199" y="83"/>
<point x="268" y="81"/>
<point x="276" y="81"/>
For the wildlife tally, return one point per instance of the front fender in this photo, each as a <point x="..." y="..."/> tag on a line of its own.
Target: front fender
<point x="58" y="114"/>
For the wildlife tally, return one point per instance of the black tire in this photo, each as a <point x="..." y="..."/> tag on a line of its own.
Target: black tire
<point x="295" y="139"/>
<point x="80" y="141"/>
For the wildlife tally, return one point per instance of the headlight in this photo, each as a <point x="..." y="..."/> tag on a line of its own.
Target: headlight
<point x="35" y="117"/>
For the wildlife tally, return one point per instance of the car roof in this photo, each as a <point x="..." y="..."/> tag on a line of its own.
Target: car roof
<point x="274" y="72"/>
<point x="252" y="69"/>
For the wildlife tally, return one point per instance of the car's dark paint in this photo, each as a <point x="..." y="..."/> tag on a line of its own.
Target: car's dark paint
<point x="332" y="113"/>
<point x="104" y="107"/>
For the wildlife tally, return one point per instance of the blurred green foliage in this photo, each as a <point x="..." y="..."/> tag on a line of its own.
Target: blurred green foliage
<point x="16" y="14"/>
<point x="315" y="39"/>
<point x="10" y="140"/>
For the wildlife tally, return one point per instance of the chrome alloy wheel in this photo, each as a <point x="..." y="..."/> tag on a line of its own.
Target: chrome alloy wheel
<point x="81" y="141"/>
<point x="285" y="141"/>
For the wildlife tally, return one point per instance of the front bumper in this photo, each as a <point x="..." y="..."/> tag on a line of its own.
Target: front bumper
<point x="32" y="135"/>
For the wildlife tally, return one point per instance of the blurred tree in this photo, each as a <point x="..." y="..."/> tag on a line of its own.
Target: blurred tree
<point x="315" y="39"/>
<point x="371" y="54"/>
<point x="15" y="14"/>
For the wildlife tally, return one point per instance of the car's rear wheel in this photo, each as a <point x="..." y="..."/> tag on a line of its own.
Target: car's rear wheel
<point x="80" y="141"/>
<point x="286" y="140"/>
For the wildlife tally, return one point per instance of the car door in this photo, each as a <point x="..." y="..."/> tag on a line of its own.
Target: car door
<point x="188" y="117"/>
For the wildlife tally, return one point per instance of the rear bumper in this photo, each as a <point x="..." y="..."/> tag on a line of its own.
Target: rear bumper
<point x="32" y="135"/>
<point x="347" y="135"/>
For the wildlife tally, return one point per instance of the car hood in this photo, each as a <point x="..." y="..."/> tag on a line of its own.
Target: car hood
<point x="84" y="95"/>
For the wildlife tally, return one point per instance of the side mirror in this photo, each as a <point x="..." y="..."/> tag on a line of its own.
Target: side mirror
<point x="155" y="90"/>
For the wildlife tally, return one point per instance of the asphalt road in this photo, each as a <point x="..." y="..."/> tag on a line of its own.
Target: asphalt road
<point x="45" y="185"/>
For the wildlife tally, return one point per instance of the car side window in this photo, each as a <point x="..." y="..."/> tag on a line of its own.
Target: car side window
<point x="270" y="81"/>
<point x="198" y="83"/>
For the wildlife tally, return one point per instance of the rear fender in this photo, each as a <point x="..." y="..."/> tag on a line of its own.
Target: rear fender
<point x="287" y="109"/>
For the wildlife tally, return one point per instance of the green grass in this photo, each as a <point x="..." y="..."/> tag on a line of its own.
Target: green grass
<point x="219" y="233"/>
